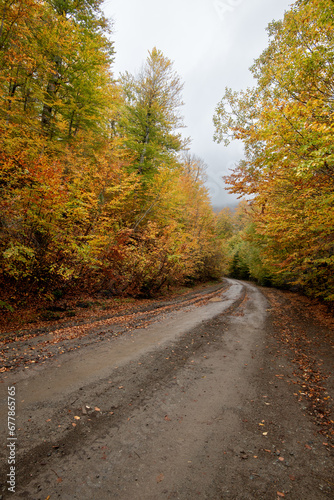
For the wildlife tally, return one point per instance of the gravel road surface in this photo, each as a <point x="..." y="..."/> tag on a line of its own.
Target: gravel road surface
<point x="199" y="404"/>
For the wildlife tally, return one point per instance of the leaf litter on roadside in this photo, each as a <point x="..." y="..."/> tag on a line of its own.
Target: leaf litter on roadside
<point x="294" y="317"/>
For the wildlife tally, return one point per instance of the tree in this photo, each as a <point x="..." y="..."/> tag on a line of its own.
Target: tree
<point x="55" y="62"/>
<point x="286" y="124"/>
<point x="151" y="117"/>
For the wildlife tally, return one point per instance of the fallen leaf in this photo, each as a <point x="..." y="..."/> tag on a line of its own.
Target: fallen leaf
<point x="308" y="447"/>
<point x="281" y="459"/>
<point x="292" y="477"/>
<point x="160" y="478"/>
<point x="280" y="494"/>
<point x="264" y="433"/>
<point x="77" y="418"/>
<point x="167" y="418"/>
<point x="97" y="409"/>
<point x="59" y="480"/>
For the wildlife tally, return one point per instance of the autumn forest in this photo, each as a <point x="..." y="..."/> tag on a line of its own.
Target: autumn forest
<point x="100" y="191"/>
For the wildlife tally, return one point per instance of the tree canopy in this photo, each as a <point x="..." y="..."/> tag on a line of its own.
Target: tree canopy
<point x="95" y="193"/>
<point x="286" y="125"/>
<point x="151" y="114"/>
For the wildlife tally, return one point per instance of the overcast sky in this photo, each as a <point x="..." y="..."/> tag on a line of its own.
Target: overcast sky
<point x="212" y="44"/>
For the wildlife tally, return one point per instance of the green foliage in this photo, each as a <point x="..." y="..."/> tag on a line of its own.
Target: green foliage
<point x="239" y="268"/>
<point x="150" y="116"/>
<point x="7" y="307"/>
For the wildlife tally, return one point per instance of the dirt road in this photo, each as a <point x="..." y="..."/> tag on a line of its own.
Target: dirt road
<point x="201" y="403"/>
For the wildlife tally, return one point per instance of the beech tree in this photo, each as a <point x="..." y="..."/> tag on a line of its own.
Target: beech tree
<point x="286" y="125"/>
<point x="55" y="67"/>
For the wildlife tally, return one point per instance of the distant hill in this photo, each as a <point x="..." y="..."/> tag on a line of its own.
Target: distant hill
<point x="232" y="206"/>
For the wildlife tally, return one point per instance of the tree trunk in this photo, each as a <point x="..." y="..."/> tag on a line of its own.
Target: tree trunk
<point x="51" y="92"/>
